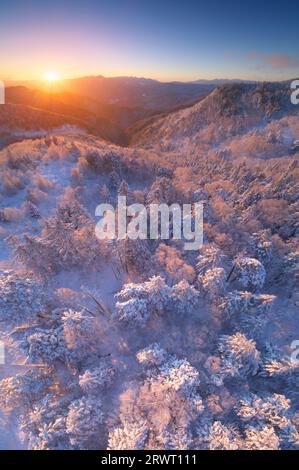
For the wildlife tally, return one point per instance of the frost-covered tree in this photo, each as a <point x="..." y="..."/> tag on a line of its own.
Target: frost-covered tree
<point x="114" y="180"/>
<point x="280" y="368"/>
<point x="201" y="195"/>
<point x="250" y="272"/>
<point x="271" y="411"/>
<point x="84" y="420"/>
<point x="123" y="189"/>
<point x="239" y="356"/>
<point x="222" y="437"/>
<point x="248" y="312"/>
<point x="47" y="345"/>
<point x="70" y="233"/>
<point x="133" y="255"/>
<point x="237" y="302"/>
<point x="264" y="438"/>
<point x="152" y="355"/>
<point x="277" y="365"/>
<point x="268" y="410"/>
<point x="23" y="389"/>
<point x="80" y="332"/>
<point x="136" y="303"/>
<point x="171" y="261"/>
<point x="181" y="439"/>
<point x="261" y="245"/>
<point x="32" y="210"/>
<point x="21" y="297"/>
<point x="94" y="380"/>
<point x="183" y="298"/>
<point x="67" y="240"/>
<point x="33" y="252"/>
<point x="51" y="436"/>
<point x="213" y="282"/>
<point x="105" y="193"/>
<point x="158" y="413"/>
<point x="162" y="191"/>
<point x="130" y="436"/>
<point x="44" y="427"/>
<point x="180" y="379"/>
<point x="179" y="375"/>
<point x="210" y="257"/>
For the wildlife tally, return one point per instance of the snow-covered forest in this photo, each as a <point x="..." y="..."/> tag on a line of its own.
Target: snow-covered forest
<point x="140" y="344"/>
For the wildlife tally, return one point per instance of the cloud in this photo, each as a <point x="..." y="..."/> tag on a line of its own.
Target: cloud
<point x="281" y="61"/>
<point x="276" y="61"/>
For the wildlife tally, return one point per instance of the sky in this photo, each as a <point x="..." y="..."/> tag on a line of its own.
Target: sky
<point x="161" y="39"/>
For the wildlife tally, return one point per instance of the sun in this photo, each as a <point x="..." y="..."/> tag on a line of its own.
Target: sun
<point x="51" y="76"/>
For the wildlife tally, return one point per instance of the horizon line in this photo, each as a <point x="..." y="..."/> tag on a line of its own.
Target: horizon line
<point x="141" y="77"/>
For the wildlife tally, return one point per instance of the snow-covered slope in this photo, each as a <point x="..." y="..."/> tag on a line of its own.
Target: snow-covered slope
<point x="229" y="111"/>
<point x="139" y="344"/>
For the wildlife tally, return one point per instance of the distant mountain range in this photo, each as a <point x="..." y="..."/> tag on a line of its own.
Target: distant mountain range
<point x="221" y="81"/>
<point x="126" y="91"/>
<point x="106" y="107"/>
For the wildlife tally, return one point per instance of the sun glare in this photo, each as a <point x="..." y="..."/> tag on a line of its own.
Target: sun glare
<point x="51" y="76"/>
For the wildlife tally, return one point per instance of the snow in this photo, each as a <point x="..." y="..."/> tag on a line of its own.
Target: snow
<point x="139" y="345"/>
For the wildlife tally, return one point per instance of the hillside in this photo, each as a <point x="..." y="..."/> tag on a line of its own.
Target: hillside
<point x="75" y="105"/>
<point x="20" y="119"/>
<point x="230" y="112"/>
